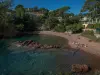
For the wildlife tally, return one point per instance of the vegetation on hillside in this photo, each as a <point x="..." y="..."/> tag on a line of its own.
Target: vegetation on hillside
<point x="6" y="21"/>
<point x="92" y="8"/>
<point x="30" y="19"/>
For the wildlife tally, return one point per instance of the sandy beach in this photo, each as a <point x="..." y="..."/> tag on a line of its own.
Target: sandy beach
<point x="92" y="47"/>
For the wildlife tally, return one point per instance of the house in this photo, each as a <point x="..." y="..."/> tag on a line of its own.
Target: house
<point x="88" y="21"/>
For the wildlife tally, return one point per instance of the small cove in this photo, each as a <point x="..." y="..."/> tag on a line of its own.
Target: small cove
<point x="16" y="61"/>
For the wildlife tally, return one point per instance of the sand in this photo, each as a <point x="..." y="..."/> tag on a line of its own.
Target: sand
<point x="92" y="47"/>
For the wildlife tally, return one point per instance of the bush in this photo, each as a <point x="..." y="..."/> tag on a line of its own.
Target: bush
<point x="60" y="28"/>
<point x="50" y="23"/>
<point x="88" y="32"/>
<point x="90" y="35"/>
<point x="20" y="27"/>
<point x="75" y="28"/>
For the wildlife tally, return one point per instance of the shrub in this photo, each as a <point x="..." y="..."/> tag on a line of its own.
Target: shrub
<point x="75" y="28"/>
<point x="20" y="27"/>
<point x="60" y="28"/>
<point x="88" y="32"/>
<point x="90" y="35"/>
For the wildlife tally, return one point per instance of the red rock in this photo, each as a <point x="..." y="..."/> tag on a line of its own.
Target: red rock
<point x="79" y="68"/>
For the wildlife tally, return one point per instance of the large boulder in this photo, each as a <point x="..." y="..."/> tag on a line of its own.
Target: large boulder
<point x="80" y="68"/>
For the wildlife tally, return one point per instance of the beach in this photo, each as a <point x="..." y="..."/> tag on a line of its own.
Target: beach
<point x="92" y="47"/>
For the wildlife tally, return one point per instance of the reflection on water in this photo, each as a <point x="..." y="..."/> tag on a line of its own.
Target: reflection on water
<point x="41" y="62"/>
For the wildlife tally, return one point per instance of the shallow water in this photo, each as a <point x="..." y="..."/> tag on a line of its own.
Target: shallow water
<point x="16" y="61"/>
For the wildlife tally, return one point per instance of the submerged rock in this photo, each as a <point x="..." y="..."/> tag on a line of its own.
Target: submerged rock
<point x="80" y="68"/>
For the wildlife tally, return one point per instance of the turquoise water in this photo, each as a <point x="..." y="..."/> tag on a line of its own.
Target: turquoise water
<point x="16" y="61"/>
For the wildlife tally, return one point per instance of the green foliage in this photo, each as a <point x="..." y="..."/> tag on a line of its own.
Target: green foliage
<point x="62" y="10"/>
<point x="50" y="23"/>
<point x="93" y="26"/>
<point x="74" y="19"/>
<point x="6" y="21"/>
<point x="75" y="28"/>
<point x="31" y="23"/>
<point x="67" y="21"/>
<point x="60" y="28"/>
<point x="96" y="26"/>
<point x="23" y="21"/>
<point x="92" y="8"/>
<point x="27" y="23"/>
<point x="59" y="12"/>
<point x="88" y="33"/>
<point x="44" y="10"/>
<point x="20" y="27"/>
<point x="52" y="13"/>
<point x="5" y="4"/>
<point x="20" y="11"/>
<point x="71" y="20"/>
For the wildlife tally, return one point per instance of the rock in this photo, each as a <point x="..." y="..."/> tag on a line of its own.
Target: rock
<point x="90" y="40"/>
<point x="80" y="68"/>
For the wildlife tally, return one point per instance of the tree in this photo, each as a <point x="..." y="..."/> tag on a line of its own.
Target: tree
<point x="35" y="9"/>
<point x="20" y="11"/>
<point x="50" y="23"/>
<point x="60" y="28"/>
<point x="52" y="13"/>
<point x="31" y="23"/>
<point x="59" y="12"/>
<point x="5" y="4"/>
<point x="6" y="24"/>
<point x="75" y="28"/>
<point x="92" y="8"/>
<point x="62" y="10"/>
<point x="43" y="10"/>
